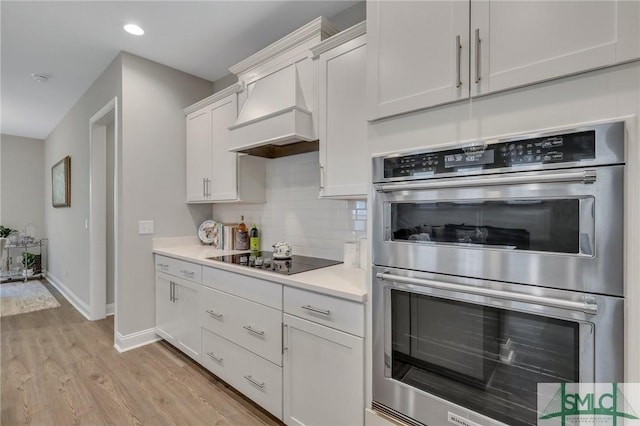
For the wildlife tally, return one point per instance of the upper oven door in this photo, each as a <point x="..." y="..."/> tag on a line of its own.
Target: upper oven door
<point x="560" y="228"/>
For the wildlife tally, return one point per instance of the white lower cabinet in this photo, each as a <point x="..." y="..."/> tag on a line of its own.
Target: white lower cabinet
<point x="323" y="368"/>
<point x="305" y="366"/>
<point x="251" y="325"/>
<point x="177" y="314"/>
<point x="241" y="319"/>
<point x="166" y="309"/>
<point x="254" y="376"/>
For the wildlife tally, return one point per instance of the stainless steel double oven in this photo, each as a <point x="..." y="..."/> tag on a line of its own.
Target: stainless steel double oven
<point x="498" y="265"/>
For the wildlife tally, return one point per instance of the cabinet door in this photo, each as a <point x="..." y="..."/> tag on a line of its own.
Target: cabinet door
<point x="523" y="42"/>
<point x="323" y="375"/>
<point x="198" y="155"/>
<point x="166" y="309"/>
<point x="417" y="55"/>
<point x="224" y="164"/>
<point x="344" y="159"/>
<point x="189" y="336"/>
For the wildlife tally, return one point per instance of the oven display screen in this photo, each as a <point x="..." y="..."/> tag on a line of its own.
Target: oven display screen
<point x="468" y="159"/>
<point x="555" y="149"/>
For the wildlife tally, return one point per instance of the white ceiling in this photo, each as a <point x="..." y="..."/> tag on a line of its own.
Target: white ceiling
<point x="72" y="42"/>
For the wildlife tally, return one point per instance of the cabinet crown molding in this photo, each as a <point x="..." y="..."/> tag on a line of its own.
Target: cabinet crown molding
<point x="234" y="88"/>
<point x="319" y="27"/>
<point x="342" y="37"/>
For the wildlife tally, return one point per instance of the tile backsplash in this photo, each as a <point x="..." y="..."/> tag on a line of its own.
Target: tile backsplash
<point x="294" y="213"/>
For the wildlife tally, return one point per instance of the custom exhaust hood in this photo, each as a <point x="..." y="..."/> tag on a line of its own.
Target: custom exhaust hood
<point x="277" y="118"/>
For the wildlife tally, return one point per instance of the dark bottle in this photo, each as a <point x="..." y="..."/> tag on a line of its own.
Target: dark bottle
<point x="242" y="236"/>
<point x="254" y="238"/>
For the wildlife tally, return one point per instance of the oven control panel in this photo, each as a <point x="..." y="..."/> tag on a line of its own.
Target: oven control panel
<point x="565" y="148"/>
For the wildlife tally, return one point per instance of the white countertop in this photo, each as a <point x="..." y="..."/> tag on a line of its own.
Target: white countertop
<point x="339" y="280"/>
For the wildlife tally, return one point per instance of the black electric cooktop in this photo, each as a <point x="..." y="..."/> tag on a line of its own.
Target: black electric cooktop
<point x="264" y="260"/>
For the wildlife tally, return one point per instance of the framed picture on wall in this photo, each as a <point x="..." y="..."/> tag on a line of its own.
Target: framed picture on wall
<point x="61" y="183"/>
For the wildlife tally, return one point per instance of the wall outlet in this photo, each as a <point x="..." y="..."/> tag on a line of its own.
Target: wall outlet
<point x="145" y="227"/>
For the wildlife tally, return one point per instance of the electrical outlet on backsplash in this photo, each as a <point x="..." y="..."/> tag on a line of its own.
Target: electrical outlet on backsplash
<point x="294" y="213"/>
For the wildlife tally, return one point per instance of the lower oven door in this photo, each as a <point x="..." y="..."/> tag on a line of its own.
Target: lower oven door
<point x="447" y="348"/>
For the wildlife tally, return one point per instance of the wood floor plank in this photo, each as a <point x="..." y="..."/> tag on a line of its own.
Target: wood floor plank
<point x="57" y="368"/>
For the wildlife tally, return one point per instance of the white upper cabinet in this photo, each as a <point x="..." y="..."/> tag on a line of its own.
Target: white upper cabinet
<point x="214" y="174"/>
<point x="198" y="155"/>
<point x="342" y="121"/>
<point x="523" y="42"/>
<point x="224" y="170"/>
<point x="422" y="54"/>
<point x="416" y="55"/>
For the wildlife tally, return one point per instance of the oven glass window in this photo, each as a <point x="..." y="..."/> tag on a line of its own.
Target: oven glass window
<point x="550" y="225"/>
<point x="486" y="359"/>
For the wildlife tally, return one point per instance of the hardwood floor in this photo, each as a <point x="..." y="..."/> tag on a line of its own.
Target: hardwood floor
<point x="57" y="368"/>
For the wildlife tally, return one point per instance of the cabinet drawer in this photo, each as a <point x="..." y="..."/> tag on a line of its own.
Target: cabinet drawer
<point x="257" y="378"/>
<point x="255" y="327"/>
<point x="179" y="268"/>
<point x="331" y="311"/>
<point x="219" y="355"/>
<point x="260" y="291"/>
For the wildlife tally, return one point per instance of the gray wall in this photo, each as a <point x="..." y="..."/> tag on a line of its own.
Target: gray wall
<point x="153" y="179"/>
<point x="22" y="183"/>
<point x="349" y="17"/>
<point x="68" y="239"/>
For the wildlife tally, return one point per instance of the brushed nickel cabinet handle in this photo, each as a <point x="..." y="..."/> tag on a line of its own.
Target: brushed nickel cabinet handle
<point x="215" y="358"/>
<point x="253" y="330"/>
<point x="478" y="77"/>
<point x="188" y="273"/>
<point x="458" y="58"/>
<point x="285" y="337"/>
<point x="214" y="314"/>
<point x="316" y="310"/>
<point x="321" y="177"/>
<point x="252" y="380"/>
<point x="204" y="187"/>
<point x="163" y="265"/>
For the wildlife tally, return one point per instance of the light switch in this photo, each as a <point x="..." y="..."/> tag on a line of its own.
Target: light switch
<point x="145" y="227"/>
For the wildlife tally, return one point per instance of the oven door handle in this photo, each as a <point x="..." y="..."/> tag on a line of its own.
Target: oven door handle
<point x="583" y="176"/>
<point x="586" y="306"/>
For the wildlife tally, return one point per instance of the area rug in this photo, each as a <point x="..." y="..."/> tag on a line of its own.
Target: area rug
<point x="20" y="297"/>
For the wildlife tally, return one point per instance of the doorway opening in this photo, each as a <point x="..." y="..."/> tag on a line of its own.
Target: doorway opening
<point x="103" y="213"/>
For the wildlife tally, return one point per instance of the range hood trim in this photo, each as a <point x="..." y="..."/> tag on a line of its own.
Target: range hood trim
<point x="271" y="115"/>
<point x="290" y="126"/>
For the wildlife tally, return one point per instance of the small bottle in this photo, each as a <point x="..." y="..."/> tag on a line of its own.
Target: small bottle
<point x="242" y="236"/>
<point x="254" y="238"/>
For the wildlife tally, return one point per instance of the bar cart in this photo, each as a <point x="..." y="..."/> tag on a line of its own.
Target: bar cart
<point x="23" y="259"/>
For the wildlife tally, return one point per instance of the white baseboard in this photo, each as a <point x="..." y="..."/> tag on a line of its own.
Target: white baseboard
<point x="135" y="340"/>
<point x="80" y="306"/>
<point x="111" y="309"/>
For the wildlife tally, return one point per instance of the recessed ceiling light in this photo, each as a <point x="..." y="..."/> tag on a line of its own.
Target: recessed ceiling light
<point x="40" y="78"/>
<point x="133" y="29"/>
